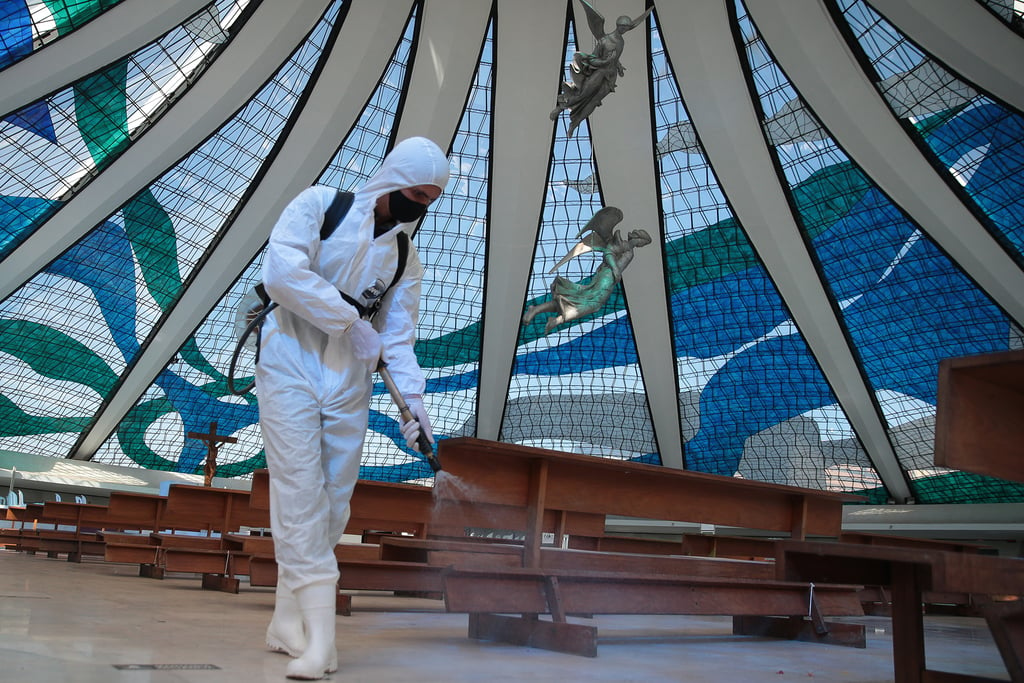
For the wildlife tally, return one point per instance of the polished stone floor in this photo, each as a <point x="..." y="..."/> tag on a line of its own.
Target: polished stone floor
<point x="97" y="622"/>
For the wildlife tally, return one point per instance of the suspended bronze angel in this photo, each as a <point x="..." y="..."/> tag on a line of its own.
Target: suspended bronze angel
<point x="594" y="74"/>
<point x="574" y="300"/>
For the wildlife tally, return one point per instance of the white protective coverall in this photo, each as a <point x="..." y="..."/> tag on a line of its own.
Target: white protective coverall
<point x="313" y="394"/>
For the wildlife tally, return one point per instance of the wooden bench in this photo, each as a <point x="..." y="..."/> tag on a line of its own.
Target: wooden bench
<point x="186" y="529"/>
<point x="477" y="554"/>
<point x="909" y="573"/>
<point x="62" y="528"/>
<point x="539" y="482"/>
<point x="491" y="595"/>
<point x="378" y="509"/>
<point x="23" y="533"/>
<point x="876" y="599"/>
<point x="384" y="513"/>
<point x="82" y="524"/>
<point x="979" y="403"/>
<point x="148" y="511"/>
<point x="220" y="512"/>
<point x="712" y="545"/>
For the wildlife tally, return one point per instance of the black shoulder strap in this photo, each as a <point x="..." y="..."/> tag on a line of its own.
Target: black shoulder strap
<point x="332" y="218"/>
<point x="340" y="205"/>
<point x="403" y="256"/>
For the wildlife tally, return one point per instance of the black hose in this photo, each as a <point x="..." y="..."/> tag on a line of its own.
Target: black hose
<point x="254" y="325"/>
<point x="426" y="448"/>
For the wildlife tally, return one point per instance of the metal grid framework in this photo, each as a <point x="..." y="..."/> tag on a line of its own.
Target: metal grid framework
<point x="577" y="387"/>
<point x="29" y="26"/>
<point x="1009" y="11"/>
<point x="898" y="293"/>
<point x="131" y="269"/>
<point x="977" y="141"/>
<point x="452" y="243"/>
<point x="730" y="323"/>
<point x="51" y="149"/>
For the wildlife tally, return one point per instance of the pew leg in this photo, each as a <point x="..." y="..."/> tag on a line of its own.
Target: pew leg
<point x="151" y="571"/>
<point x="799" y="628"/>
<point x="528" y="630"/>
<point x="343" y="606"/>
<point x="1006" y="622"/>
<point x="907" y="625"/>
<point x="220" y="582"/>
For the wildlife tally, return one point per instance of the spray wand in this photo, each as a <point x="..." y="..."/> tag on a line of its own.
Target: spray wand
<point x="426" y="449"/>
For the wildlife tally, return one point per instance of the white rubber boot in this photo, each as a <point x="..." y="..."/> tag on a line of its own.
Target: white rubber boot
<point x="318" y="603"/>
<point x="285" y="632"/>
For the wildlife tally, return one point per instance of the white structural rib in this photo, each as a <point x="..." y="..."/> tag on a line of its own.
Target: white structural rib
<point x="623" y="141"/>
<point x="814" y="55"/>
<point x="352" y="72"/>
<point x="119" y="31"/>
<point x="715" y="90"/>
<point x="967" y="38"/>
<point x="446" y="59"/>
<point x="264" y="44"/>
<point x="527" y="64"/>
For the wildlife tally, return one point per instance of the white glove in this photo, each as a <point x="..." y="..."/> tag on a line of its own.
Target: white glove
<point x="411" y="429"/>
<point x="366" y="343"/>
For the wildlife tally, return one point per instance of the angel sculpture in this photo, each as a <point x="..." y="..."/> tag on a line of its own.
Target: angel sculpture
<point x="594" y="74"/>
<point x="574" y="300"/>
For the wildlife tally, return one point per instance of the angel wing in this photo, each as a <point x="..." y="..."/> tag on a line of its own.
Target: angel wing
<point x="602" y="231"/>
<point x="595" y="20"/>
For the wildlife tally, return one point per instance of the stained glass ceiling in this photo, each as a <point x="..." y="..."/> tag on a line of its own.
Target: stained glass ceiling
<point x="833" y="189"/>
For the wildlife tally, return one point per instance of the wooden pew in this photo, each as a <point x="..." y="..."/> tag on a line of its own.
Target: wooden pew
<point x="377" y="507"/>
<point x="539" y="480"/>
<point x="876" y="598"/>
<point x="558" y="581"/>
<point x="909" y="573"/>
<point x="80" y="535"/>
<point x="383" y="513"/>
<point x="62" y="528"/>
<point x="979" y="402"/>
<point x="186" y="529"/>
<point x="220" y="512"/>
<point x="489" y="595"/>
<point x="148" y="511"/>
<point x="737" y="547"/>
<point x="380" y="510"/>
<point x="23" y="533"/>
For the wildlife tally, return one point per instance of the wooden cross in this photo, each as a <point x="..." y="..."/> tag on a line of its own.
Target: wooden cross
<point x="213" y="440"/>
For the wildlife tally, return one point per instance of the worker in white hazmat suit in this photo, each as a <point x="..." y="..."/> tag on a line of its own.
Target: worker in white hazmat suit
<point x="314" y="378"/>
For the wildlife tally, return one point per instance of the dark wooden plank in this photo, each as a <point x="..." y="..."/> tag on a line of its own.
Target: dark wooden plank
<point x="523" y="591"/>
<point x="220" y="510"/>
<point x="499" y="473"/>
<point x="1006" y="621"/>
<point x="144" y="509"/>
<point x="577" y="639"/>
<point x="977" y="420"/>
<point x="411" y="577"/>
<point x="674" y="565"/>
<point x="909" y="573"/>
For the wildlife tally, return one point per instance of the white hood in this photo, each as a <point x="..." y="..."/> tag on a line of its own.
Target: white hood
<point x="413" y="161"/>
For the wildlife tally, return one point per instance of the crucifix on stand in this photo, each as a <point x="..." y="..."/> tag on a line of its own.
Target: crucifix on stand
<point x="213" y="441"/>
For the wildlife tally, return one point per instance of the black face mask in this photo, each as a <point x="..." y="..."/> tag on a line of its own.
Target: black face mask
<point x="403" y="209"/>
